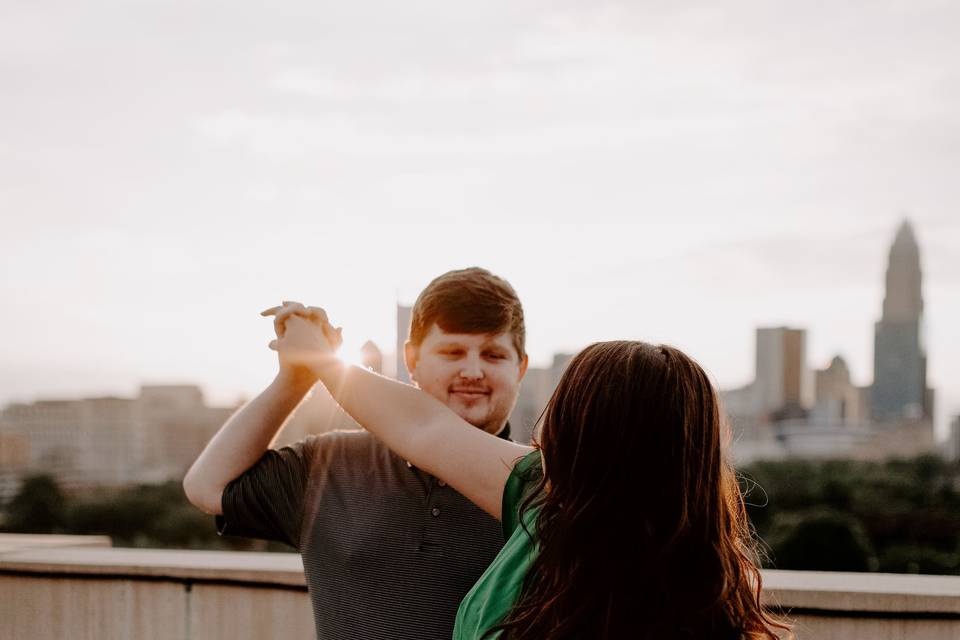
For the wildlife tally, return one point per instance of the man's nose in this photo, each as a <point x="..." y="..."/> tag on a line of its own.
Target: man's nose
<point x="471" y="369"/>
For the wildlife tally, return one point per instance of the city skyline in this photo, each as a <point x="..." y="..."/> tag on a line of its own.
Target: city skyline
<point x="354" y="344"/>
<point x="793" y="409"/>
<point x="676" y="174"/>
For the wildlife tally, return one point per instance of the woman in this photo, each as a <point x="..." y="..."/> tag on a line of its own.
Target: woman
<point x="624" y="522"/>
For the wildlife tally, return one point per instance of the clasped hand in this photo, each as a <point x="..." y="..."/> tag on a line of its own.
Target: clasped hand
<point x="305" y="337"/>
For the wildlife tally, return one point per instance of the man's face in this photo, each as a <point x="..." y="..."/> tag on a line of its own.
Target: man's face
<point x="477" y="375"/>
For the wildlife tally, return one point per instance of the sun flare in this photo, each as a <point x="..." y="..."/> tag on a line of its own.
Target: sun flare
<point x="351" y="353"/>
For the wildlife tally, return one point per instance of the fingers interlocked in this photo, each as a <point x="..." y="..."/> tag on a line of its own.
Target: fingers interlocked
<point x="291" y="308"/>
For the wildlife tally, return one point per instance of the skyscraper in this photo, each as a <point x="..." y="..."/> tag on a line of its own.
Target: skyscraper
<point x="784" y="383"/>
<point x="899" y="357"/>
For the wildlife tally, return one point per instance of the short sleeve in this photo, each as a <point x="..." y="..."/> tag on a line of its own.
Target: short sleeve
<point x="267" y="501"/>
<point x="526" y="473"/>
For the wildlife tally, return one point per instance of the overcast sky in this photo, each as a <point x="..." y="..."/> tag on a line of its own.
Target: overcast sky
<point x="635" y="169"/>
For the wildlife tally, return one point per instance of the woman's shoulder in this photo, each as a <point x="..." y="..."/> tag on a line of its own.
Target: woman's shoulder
<point x="531" y="460"/>
<point x="523" y="480"/>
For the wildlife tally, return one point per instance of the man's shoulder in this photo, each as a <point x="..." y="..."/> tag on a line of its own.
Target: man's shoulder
<point x="354" y="447"/>
<point x="346" y="439"/>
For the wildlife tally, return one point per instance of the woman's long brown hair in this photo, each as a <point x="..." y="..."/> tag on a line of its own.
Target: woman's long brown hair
<point x="642" y="530"/>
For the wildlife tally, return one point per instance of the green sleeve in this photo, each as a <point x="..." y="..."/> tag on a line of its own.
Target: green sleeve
<point x="524" y="476"/>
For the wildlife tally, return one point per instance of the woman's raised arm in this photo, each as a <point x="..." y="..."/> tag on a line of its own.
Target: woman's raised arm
<point x="415" y="425"/>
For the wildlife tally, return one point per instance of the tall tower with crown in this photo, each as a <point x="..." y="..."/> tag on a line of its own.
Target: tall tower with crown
<point x="899" y="359"/>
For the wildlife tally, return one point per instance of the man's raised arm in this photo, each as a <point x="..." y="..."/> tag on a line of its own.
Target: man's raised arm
<point x="247" y="435"/>
<point x="243" y="439"/>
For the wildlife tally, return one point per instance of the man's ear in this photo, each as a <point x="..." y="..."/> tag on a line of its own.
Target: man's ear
<point x="411" y="353"/>
<point x="523" y="366"/>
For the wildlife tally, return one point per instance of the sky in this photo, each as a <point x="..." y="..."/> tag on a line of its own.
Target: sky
<point x="678" y="174"/>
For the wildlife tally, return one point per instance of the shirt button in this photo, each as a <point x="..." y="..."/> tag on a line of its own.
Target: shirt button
<point x="442" y="483"/>
<point x="435" y="512"/>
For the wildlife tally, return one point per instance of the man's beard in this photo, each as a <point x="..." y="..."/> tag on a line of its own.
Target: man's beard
<point x="491" y="422"/>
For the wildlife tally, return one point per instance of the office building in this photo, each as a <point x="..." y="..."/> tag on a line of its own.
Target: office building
<point x="900" y="361"/>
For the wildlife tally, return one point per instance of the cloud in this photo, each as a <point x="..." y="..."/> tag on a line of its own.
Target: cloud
<point x="340" y="134"/>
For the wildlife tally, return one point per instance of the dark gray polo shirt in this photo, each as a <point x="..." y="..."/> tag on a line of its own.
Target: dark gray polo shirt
<point x="388" y="550"/>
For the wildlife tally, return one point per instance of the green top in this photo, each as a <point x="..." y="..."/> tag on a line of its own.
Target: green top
<point x="497" y="590"/>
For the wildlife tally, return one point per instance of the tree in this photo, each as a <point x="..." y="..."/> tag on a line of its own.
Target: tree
<point x="39" y="507"/>
<point x="821" y="540"/>
<point x="917" y="559"/>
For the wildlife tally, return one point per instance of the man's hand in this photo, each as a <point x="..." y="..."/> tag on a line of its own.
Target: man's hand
<point x="306" y="341"/>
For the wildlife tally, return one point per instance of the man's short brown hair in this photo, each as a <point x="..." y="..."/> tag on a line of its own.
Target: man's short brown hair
<point x="469" y="300"/>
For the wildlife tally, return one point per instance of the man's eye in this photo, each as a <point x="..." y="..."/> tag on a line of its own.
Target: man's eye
<point x="496" y="356"/>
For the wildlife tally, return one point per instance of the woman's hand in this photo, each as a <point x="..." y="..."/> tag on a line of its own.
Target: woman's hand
<point x="305" y="338"/>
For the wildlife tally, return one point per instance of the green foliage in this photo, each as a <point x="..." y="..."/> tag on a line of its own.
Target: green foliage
<point x="902" y="515"/>
<point x="820" y="540"/>
<point x="915" y="559"/>
<point x="136" y="516"/>
<point x="897" y="516"/>
<point x="39" y="507"/>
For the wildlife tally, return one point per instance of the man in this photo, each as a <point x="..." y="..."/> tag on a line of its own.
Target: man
<point x="388" y="551"/>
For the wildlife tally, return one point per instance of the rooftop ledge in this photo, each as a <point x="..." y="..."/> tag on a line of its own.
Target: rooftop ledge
<point x="174" y="565"/>
<point x="89" y="556"/>
<point x="183" y="595"/>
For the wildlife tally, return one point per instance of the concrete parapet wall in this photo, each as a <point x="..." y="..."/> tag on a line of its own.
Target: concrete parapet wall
<point x="10" y="542"/>
<point x="89" y="593"/>
<point x="867" y="606"/>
